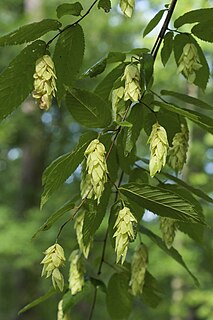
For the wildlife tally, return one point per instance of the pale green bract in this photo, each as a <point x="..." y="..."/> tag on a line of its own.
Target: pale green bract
<point x="124" y="233"/>
<point x="168" y="228"/>
<point x="60" y="314"/>
<point x="44" y="83"/>
<point x="178" y="152"/>
<point x="132" y="90"/>
<point x="118" y="103"/>
<point x="158" y="148"/>
<point x="79" y="223"/>
<point x="53" y="260"/>
<point x="189" y="62"/>
<point x="95" y="174"/>
<point x="138" y="270"/>
<point x="76" y="272"/>
<point x="127" y="7"/>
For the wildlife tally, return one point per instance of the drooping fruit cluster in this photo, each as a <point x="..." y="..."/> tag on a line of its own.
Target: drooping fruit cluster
<point x="79" y="222"/>
<point x="76" y="272"/>
<point x="53" y="260"/>
<point x="127" y="7"/>
<point x="189" y="62"/>
<point x="124" y="232"/>
<point x="168" y="228"/>
<point x="95" y="174"/>
<point x="132" y="89"/>
<point x="158" y="148"/>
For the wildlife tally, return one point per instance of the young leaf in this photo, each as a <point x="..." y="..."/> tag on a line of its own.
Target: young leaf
<point x="200" y="15"/>
<point x="16" y="82"/>
<point x="202" y="75"/>
<point x="188" y="99"/>
<point x="61" y="168"/>
<point x="198" y="118"/>
<point x="152" y="293"/>
<point x="204" y="30"/>
<point x="55" y="217"/>
<point x="105" y="5"/>
<point x="104" y="87"/>
<point x="88" y="108"/>
<point x="171" y="252"/>
<point x="41" y="299"/>
<point x="68" y="56"/>
<point x="73" y="9"/>
<point x="118" y="299"/>
<point x="153" y="22"/>
<point x="167" y="47"/>
<point x="30" y="32"/>
<point x="162" y="202"/>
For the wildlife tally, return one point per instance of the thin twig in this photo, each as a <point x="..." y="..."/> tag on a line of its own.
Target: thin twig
<point x="73" y="24"/>
<point x="93" y="303"/>
<point x="163" y="29"/>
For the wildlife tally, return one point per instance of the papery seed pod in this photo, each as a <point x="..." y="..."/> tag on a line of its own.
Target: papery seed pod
<point x="127" y="7"/>
<point x="44" y="82"/>
<point x="189" y="62"/>
<point x="79" y="222"/>
<point x="178" y="152"/>
<point x="53" y="260"/>
<point x="95" y="175"/>
<point x="76" y="272"/>
<point x="124" y="233"/>
<point x="158" y="148"/>
<point x="138" y="270"/>
<point x="118" y="104"/>
<point x="168" y="228"/>
<point x="132" y="90"/>
<point x="60" y="314"/>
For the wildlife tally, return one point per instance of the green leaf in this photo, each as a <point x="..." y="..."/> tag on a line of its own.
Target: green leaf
<point x="105" y="5"/>
<point x="41" y="299"/>
<point x="132" y="133"/>
<point x="69" y="300"/>
<point x="167" y="47"/>
<point x="162" y="202"/>
<point x="118" y="299"/>
<point x="16" y="82"/>
<point x="88" y="108"/>
<point x="104" y="87"/>
<point x="147" y="65"/>
<point x="204" y="30"/>
<point x="115" y="56"/>
<point x="139" y="175"/>
<point x="73" y="9"/>
<point x="30" y="32"/>
<point x="55" y="217"/>
<point x="96" y="69"/>
<point x="195" y="191"/>
<point x="153" y="22"/>
<point x="198" y="118"/>
<point x="188" y="99"/>
<point x="202" y="75"/>
<point x="152" y="292"/>
<point x="61" y="168"/>
<point x="200" y="15"/>
<point x="126" y="160"/>
<point x="68" y="57"/>
<point x="171" y="252"/>
<point x="94" y="215"/>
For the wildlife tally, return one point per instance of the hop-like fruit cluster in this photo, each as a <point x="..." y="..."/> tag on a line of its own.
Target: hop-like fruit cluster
<point x="127" y="7"/>
<point x="76" y="272"/>
<point x="178" y="152"/>
<point x="124" y="232"/>
<point x="158" y="148"/>
<point x="168" y="228"/>
<point x="44" y="82"/>
<point x="95" y="175"/>
<point x="53" y="260"/>
<point x="79" y="223"/>
<point x="118" y="103"/>
<point x="132" y="90"/>
<point x="61" y="315"/>
<point x="189" y="62"/>
<point x="138" y="270"/>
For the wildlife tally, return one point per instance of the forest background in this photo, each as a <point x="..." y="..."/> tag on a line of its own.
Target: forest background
<point x="30" y="140"/>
